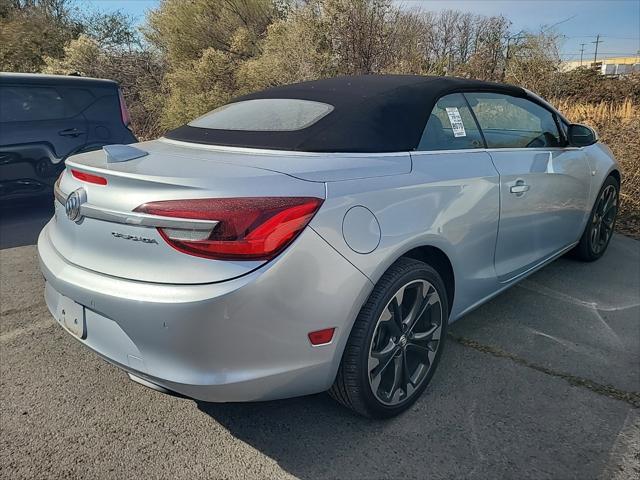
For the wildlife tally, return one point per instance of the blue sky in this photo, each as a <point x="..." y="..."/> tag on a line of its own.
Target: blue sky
<point x="617" y="21"/>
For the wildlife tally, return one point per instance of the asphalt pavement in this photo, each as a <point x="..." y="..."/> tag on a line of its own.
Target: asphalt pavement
<point x="541" y="382"/>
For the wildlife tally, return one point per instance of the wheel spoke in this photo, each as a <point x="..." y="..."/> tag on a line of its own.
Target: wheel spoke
<point x="399" y="298"/>
<point x="609" y="200"/>
<point x="430" y="299"/>
<point x="426" y="336"/>
<point x="397" y="378"/>
<point x="417" y="347"/>
<point x="409" y="311"/>
<point x="611" y="196"/>
<point x="608" y="223"/>
<point x="406" y="378"/>
<point x="383" y="359"/>
<point x="604" y="200"/>
<point x="389" y="319"/>
<point x="604" y="219"/>
<point x="594" y="234"/>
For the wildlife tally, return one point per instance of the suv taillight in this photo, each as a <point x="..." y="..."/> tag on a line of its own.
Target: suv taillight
<point x="124" y="111"/>
<point x="249" y="228"/>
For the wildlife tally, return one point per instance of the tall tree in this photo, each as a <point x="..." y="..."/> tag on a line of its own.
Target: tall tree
<point x="31" y="30"/>
<point x="203" y="43"/>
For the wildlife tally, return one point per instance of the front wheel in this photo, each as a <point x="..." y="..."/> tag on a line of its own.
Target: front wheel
<point x="396" y="342"/>
<point x="599" y="230"/>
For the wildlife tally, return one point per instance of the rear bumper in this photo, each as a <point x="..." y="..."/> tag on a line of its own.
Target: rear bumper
<point x="240" y="340"/>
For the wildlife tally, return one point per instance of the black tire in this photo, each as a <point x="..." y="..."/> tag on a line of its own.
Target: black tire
<point x="352" y="386"/>
<point x="593" y="244"/>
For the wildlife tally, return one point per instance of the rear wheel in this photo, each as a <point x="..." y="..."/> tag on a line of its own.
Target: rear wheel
<point x="396" y="342"/>
<point x="599" y="230"/>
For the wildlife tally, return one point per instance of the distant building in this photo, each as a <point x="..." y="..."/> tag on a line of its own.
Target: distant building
<point x="607" y="66"/>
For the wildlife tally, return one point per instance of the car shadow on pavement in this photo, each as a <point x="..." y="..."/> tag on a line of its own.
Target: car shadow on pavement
<point x="480" y="418"/>
<point x="536" y="414"/>
<point x="21" y="220"/>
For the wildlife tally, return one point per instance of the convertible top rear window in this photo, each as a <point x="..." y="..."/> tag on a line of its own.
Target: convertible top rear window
<point x="265" y="114"/>
<point x="367" y="113"/>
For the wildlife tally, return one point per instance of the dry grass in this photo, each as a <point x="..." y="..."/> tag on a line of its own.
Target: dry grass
<point x="618" y="125"/>
<point x="598" y="113"/>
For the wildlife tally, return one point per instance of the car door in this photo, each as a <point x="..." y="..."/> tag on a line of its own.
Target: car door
<point x="38" y="129"/>
<point x="544" y="185"/>
<point x="461" y="193"/>
<point x="42" y="114"/>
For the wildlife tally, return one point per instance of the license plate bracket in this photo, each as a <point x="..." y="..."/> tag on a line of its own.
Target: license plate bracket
<point x="71" y="316"/>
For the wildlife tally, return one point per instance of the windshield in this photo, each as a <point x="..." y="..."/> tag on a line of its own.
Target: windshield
<point x="268" y="114"/>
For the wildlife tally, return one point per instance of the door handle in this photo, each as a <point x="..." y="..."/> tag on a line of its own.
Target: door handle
<point x="71" y="132"/>
<point x="519" y="188"/>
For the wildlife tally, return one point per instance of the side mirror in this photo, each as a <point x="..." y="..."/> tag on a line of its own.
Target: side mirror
<point x="581" y="135"/>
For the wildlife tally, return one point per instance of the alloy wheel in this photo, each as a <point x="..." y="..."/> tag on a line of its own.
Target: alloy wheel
<point x="405" y="342"/>
<point x="604" y="218"/>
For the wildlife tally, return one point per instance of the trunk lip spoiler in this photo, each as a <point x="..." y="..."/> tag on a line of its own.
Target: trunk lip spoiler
<point x="134" y="218"/>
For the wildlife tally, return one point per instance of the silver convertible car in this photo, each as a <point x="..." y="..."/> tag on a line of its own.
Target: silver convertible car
<point x="319" y="236"/>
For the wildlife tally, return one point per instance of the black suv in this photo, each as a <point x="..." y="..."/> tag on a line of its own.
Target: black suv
<point x="46" y="118"/>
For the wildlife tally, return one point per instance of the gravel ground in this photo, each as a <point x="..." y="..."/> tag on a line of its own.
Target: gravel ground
<point x="542" y="382"/>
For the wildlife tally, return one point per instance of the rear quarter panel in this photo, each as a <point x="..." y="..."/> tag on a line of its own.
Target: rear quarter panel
<point x="450" y="201"/>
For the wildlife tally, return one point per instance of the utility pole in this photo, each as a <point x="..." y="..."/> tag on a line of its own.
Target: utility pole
<point x="597" y="42"/>
<point x="581" y="52"/>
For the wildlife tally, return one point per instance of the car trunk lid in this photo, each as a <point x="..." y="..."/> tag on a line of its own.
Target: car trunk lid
<point x="114" y="241"/>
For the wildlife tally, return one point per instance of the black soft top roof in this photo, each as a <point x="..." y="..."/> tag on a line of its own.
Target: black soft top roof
<point x="372" y="113"/>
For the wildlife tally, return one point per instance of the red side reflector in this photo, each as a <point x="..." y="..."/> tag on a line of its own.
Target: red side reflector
<point x="321" y="337"/>
<point x="87" y="177"/>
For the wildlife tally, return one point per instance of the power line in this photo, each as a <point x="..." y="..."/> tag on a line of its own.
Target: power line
<point x="628" y="54"/>
<point x="545" y="29"/>
<point x="604" y="36"/>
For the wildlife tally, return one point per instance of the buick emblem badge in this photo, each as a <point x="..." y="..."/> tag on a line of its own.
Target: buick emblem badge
<point x="73" y="204"/>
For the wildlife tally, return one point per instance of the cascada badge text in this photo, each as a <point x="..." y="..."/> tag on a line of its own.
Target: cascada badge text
<point x="133" y="238"/>
<point x="72" y="206"/>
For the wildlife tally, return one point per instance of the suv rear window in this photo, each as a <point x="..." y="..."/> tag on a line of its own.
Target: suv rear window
<point x="267" y="115"/>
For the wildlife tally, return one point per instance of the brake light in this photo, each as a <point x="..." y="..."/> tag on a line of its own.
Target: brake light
<point x="249" y="228"/>
<point x="89" y="178"/>
<point x="124" y="111"/>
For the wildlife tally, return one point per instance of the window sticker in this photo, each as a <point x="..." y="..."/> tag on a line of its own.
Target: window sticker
<point x="456" y="122"/>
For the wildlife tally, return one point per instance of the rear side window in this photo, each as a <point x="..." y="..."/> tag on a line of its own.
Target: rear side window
<point x="76" y="99"/>
<point x="25" y="103"/>
<point x="451" y="126"/>
<point x="265" y="114"/>
<point x="512" y="122"/>
<point x="20" y="104"/>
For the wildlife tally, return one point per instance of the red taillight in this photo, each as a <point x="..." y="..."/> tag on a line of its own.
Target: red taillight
<point x="124" y="111"/>
<point x="252" y="228"/>
<point x="321" y="337"/>
<point x="88" y="177"/>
